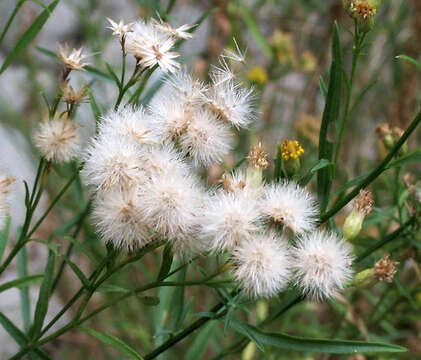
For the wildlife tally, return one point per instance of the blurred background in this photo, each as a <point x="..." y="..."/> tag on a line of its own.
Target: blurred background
<point x="288" y="50"/>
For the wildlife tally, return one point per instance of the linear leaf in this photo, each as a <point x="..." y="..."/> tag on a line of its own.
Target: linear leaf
<point x="44" y="295"/>
<point x="167" y="258"/>
<point x="21" y="282"/>
<point x="113" y="342"/>
<point x="321" y="164"/>
<point x="411" y="60"/>
<point x="288" y="342"/>
<point x="197" y="348"/>
<point x="4" y="235"/>
<point x="24" y="292"/>
<point x="29" y="35"/>
<point x="12" y="330"/>
<point x="414" y="156"/>
<point x="78" y="272"/>
<point x="330" y="115"/>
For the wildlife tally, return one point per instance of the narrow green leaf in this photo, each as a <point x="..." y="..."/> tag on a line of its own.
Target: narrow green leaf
<point x="12" y="330"/>
<point x="330" y="116"/>
<point x="94" y="106"/>
<point x="323" y="87"/>
<point x="247" y="331"/>
<point x="113" y="342"/>
<point x="149" y="300"/>
<point x="167" y="258"/>
<point x="252" y="26"/>
<point x="78" y="272"/>
<point x="24" y="292"/>
<point x="44" y="295"/>
<point x="414" y="156"/>
<point x="321" y="164"/>
<point x="105" y="288"/>
<point x="82" y="248"/>
<point x="21" y="282"/>
<point x="197" y="348"/>
<point x="288" y="342"/>
<point x="4" y="236"/>
<point x="112" y="74"/>
<point x="411" y="60"/>
<point x="29" y="35"/>
<point x="177" y="304"/>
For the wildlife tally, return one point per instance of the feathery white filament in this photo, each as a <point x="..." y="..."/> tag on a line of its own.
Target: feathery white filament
<point x="262" y="265"/>
<point x="290" y="205"/>
<point x="228" y="219"/>
<point x="117" y="217"/>
<point x="322" y="264"/>
<point x="58" y="140"/>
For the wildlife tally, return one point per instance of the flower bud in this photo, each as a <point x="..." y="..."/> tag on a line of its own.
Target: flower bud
<point x="363" y="11"/>
<point x="257" y="159"/>
<point x="364" y="278"/>
<point x="383" y="270"/>
<point x="354" y="221"/>
<point x="291" y="152"/>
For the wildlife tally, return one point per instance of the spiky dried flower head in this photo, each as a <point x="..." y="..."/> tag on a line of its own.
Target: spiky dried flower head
<point x="118" y="220"/>
<point x="385" y="269"/>
<point x="228" y="219"/>
<point x="231" y="103"/>
<point x="152" y="47"/>
<point x="262" y="265"/>
<point x="5" y="183"/>
<point x="71" y="59"/>
<point x="120" y="29"/>
<point x="258" y="157"/>
<point x="362" y="9"/>
<point x="112" y="162"/>
<point x="291" y="149"/>
<point x="206" y="140"/>
<point x="58" y="140"/>
<point x="383" y="129"/>
<point x="128" y="123"/>
<point x="235" y="55"/>
<point x="290" y="205"/>
<point x="72" y="97"/>
<point x="364" y="202"/>
<point x="182" y="32"/>
<point x="322" y="264"/>
<point x="170" y="204"/>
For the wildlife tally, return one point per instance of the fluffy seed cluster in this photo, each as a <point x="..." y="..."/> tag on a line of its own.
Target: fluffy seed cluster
<point x="58" y="140"/>
<point x="5" y="183"/>
<point x="144" y="166"/>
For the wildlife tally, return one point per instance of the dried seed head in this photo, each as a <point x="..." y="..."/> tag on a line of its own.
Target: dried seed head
<point x="291" y="149"/>
<point x="70" y="96"/>
<point x="383" y="130"/>
<point x="119" y="29"/>
<point x="72" y="60"/>
<point x="385" y="269"/>
<point x="257" y="157"/>
<point x="364" y="202"/>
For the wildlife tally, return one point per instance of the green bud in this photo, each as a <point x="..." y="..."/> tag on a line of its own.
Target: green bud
<point x="389" y="142"/>
<point x="291" y="166"/>
<point x="353" y="224"/>
<point x="364" y="278"/>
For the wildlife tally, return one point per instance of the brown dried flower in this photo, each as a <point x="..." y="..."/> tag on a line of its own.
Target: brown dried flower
<point x="385" y="269"/>
<point x="257" y="157"/>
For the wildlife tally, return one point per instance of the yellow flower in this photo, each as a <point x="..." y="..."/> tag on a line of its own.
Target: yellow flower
<point x="291" y="149"/>
<point x="258" y="74"/>
<point x="308" y="61"/>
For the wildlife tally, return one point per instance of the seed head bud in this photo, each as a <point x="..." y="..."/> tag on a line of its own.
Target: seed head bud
<point x="384" y="133"/>
<point x="362" y="207"/>
<point x="72" y="97"/>
<point x="291" y="150"/>
<point x="257" y="159"/>
<point x="385" y="269"/>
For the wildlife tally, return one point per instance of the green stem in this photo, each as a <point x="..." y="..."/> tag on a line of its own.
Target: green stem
<point x="141" y="86"/>
<point x="135" y="76"/>
<point x="358" y="44"/>
<point x="374" y="173"/>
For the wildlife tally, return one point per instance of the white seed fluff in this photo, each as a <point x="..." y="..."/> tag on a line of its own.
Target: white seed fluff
<point x="170" y="204"/>
<point x="228" y="219"/>
<point x="206" y="139"/>
<point x="322" y="264"/>
<point x="291" y="205"/>
<point x="262" y="265"/>
<point x="112" y="162"/>
<point x="185" y="88"/>
<point x="58" y="140"/>
<point x="117" y="217"/>
<point x="232" y="103"/>
<point x="130" y="124"/>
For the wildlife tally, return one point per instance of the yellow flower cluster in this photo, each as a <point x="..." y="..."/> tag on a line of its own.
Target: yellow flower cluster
<point x="291" y="149"/>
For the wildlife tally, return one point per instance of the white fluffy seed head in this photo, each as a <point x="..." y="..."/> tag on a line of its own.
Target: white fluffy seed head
<point x="131" y="124"/>
<point x="112" y="162"/>
<point x="232" y="103"/>
<point x="185" y="88"/>
<point x="5" y="183"/>
<point x="152" y="46"/>
<point x="228" y="219"/>
<point x="170" y="204"/>
<point x="262" y="265"/>
<point x="290" y="205"/>
<point x="322" y="264"/>
<point x="206" y="139"/>
<point x="117" y="217"/>
<point x="58" y="140"/>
